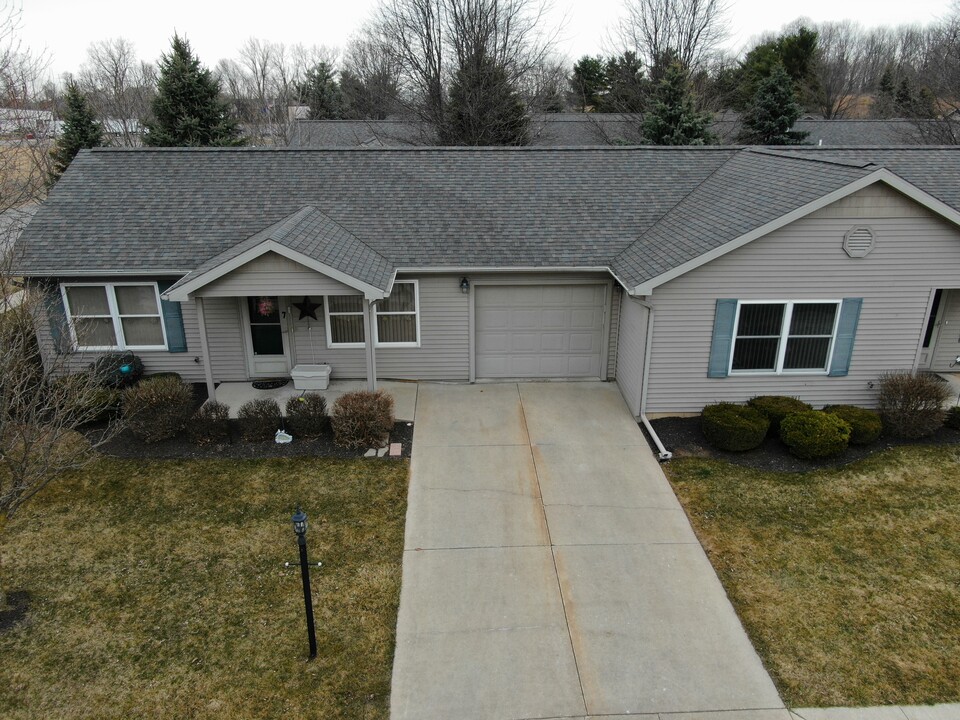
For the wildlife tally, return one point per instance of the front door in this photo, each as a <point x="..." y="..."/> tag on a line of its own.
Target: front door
<point x="945" y="344"/>
<point x="266" y="332"/>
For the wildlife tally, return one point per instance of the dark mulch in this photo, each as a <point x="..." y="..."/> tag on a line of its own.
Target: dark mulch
<point x="127" y="446"/>
<point x="18" y="602"/>
<point x="684" y="438"/>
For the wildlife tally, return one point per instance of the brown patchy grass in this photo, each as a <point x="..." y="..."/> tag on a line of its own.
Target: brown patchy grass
<point x="847" y="580"/>
<point x="158" y="590"/>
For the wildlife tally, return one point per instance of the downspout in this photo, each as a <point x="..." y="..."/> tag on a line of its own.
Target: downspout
<point x="663" y="453"/>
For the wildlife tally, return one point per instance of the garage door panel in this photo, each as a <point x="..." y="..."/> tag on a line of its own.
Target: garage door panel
<point x="539" y="331"/>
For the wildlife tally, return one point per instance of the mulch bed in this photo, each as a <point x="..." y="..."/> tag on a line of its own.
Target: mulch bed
<point x="17" y="603"/>
<point x="684" y="438"/>
<point x="127" y="446"/>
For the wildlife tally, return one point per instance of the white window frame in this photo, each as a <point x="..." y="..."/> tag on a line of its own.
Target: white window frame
<point x="326" y="319"/>
<point x="115" y="316"/>
<point x="415" y="312"/>
<point x="784" y="336"/>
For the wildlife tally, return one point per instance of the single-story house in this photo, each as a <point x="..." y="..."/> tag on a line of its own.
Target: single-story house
<point x="686" y="275"/>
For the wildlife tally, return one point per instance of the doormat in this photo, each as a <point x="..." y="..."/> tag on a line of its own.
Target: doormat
<point x="271" y="384"/>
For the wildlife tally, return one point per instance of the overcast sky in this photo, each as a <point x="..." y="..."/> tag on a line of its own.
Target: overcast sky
<point x="64" y="28"/>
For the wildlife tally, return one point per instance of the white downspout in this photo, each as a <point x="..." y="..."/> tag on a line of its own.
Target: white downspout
<point x="663" y="453"/>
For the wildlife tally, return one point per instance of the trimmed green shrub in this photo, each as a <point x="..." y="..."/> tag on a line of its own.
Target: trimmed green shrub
<point x="156" y="410"/>
<point x="865" y="425"/>
<point x="209" y="425"/>
<point x="814" y="434"/>
<point x="734" y="427"/>
<point x="362" y="419"/>
<point x="118" y="370"/>
<point x="259" y="419"/>
<point x="307" y="415"/>
<point x="911" y="404"/>
<point x="953" y="418"/>
<point x="776" y="408"/>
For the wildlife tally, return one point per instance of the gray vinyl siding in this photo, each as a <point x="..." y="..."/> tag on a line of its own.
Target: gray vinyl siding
<point x="632" y="345"/>
<point x="273" y="274"/>
<point x="612" y="350"/>
<point x="224" y="337"/>
<point x="915" y="252"/>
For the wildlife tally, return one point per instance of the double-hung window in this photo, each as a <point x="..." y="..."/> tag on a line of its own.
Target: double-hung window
<point x="784" y="337"/>
<point x="116" y="316"/>
<point x="396" y="319"/>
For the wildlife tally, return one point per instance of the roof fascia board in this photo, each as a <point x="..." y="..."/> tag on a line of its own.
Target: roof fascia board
<point x="184" y="292"/>
<point x="510" y="270"/>
<point x="880" y="175"/>
<point x="91" y="273"/>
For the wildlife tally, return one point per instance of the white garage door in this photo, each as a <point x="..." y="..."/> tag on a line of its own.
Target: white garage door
<point x="539" y="331"/>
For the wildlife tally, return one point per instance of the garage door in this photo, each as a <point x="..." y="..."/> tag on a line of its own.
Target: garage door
<point x="539" y="331"/>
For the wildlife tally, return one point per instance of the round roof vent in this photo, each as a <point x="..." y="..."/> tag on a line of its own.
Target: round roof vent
<point x="859" y="241"/>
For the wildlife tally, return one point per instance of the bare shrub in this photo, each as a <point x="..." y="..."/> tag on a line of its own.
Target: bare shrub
<point x="911" y="404"/>
<point x="362" y="419"/>
<point x="157" y="408"/>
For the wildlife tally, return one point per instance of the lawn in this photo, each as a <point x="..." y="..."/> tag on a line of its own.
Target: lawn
<point x="158" y="589"/>
<point x="847" y="580"/>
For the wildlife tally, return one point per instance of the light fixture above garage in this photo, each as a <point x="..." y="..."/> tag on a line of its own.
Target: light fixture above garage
<point x="464" y="285"/>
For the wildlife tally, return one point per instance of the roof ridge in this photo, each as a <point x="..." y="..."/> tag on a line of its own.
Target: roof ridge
<point x="760" y="150"/>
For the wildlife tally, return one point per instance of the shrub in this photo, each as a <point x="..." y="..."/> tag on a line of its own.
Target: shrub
<point x="209" y="424"/>
<point x="259" y="419"/>
<point x="118" y="370"/>
<point x="362" y="419"/>
<point x="911" y="404"/>
<point x="776" y="408"/>
<point x="953" y="418"/>
<point x="157" y="409"/>
<point x="865" y="425"/>
<point x="307" y="414"/>
<point x="165" y="374"/>
<point x="814" y="434"/>
<point x="734" y="427"/>
<point x="89" y="401"/>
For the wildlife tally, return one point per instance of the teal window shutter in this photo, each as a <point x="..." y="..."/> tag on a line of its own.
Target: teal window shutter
<point x="173" y="322"/>
<point x="722" y="344"/>
<point x="846" y="332"/>
<point x="57" y="319"/>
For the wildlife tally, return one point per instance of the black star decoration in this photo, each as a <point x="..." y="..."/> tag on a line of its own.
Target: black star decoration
<point x="307" y="309"/>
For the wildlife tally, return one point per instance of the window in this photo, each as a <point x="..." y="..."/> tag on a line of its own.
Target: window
<point x="344" y="320"/>
<point x="783" y="337"/>
<point x="396" y="318"/>
<point x="119" y="316"/>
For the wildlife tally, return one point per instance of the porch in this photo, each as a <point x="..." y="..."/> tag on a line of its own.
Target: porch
<point x="404" y="394"/>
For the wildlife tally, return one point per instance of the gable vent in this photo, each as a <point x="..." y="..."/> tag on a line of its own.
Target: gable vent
<point x="858" y="242"/>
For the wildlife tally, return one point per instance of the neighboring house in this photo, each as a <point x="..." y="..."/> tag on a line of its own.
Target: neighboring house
<point x="688" y="275"/>
<point x="20" y="121"/>
<point x="592" y="129"/>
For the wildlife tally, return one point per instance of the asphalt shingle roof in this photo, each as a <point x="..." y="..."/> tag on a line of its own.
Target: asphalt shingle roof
<point x="638" y="210"/>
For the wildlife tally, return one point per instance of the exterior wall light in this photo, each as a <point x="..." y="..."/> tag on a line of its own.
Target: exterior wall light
<point x="464" y="285"/>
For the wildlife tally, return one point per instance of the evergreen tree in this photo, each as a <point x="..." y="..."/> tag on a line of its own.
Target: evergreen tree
<point x="627" y="89"/>
<point x="773" y="111"/>
<point x="484" y="108"/>
<point x="322" y="93"/>
<point x="80" y="130"/>
<point x="187" y="109"/>
<point x="588" y="83"/>
<point x="885" y="105"/>
<point x="673" y="118"/>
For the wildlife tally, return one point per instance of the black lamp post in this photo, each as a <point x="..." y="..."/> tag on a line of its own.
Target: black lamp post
<point x="300" y="527"/>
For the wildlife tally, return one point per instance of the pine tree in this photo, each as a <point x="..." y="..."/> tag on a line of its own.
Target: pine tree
<point x="588" y="84"/>
<point x="673" y="118"/>
<point x="187" y="109"/>
<point x="627" y="87"/>
<point x="484" y="108"/>
<point x="773" y="111"/>
<point x="80" y="130"/>
<point x="884" y="105"/>
<point x="322" y="93"/>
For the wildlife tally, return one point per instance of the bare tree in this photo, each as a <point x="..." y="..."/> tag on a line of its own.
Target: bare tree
<point x="431" y="40"/>
<point x="660" y="31"/>
<point x="120" y="88"/>
<point x="842" y="67"/>
<point x="370" y="78"/>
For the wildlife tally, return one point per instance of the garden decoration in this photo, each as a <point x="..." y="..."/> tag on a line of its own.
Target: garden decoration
<point x="282" y="438"/>
<point x="307" y="309"/>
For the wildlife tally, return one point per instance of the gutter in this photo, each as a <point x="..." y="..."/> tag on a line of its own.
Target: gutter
<point x="663" y="454"/>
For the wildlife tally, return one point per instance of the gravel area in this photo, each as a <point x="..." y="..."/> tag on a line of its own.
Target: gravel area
<point x="684" y="438"/>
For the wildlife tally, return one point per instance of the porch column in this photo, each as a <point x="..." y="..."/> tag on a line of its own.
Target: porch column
<point x="368" y="345"/>
<point x="205" y="350"/>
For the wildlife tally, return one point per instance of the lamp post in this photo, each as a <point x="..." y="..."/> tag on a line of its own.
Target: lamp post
<point x="299" y="520"/>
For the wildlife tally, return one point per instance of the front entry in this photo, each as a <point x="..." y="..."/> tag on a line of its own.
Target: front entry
<point x="266" y="334"/>
<point x="942" y="340"/>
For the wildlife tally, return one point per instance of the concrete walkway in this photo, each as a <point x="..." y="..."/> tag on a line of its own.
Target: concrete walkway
<point x="549" y="571"/>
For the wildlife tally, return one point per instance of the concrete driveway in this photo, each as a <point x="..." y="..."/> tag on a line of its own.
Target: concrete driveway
<point x="549" y="570"/>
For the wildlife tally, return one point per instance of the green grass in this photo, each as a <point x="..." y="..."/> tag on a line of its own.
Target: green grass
<point x="847" y="580"/>
<point x="158" y="590"/>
